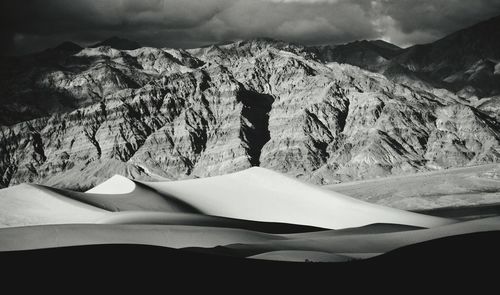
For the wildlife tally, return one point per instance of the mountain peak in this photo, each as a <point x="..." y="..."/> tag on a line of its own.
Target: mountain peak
<point x="118" y="43"/>
<point x="264" y="40"/>
<point x="385" y="44"/>
<point x="68" y="46"/>
<point x="453" y="59"/>
<point x="367" y="54"/>
<point x="382" y="47"/>
<point x="269" y="41"/>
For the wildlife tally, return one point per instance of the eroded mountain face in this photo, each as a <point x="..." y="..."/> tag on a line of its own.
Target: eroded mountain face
<point x="466" y="62"/>
<point x="155" y="113"/>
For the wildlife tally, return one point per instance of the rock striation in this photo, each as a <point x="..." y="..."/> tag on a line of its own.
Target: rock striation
<point x="466" y="62"/>
<point x="76" y="117"/>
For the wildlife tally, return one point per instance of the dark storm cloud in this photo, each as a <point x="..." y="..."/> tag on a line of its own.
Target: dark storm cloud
<point x="423" y="21"/>
<point x="29" y="25"/>
<point x="41" y="21"/>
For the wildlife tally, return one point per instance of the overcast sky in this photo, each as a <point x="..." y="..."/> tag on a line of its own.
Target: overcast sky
<point x="31" y="25"/>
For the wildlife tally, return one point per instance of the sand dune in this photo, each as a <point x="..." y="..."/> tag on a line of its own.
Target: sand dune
<point x="236" y="242"/>
<point x="30" y="204"/>
<point x="139" y="217"/>
<point x="301" y="256"/>
<point x="115" y="185"/>
<point x="27" y="204"/>
<point x="255" y="214"/>
<point x="377" y="228"/>
<point x="255" y="194"/>
<point x="262" y="195"/>
<point x="141" y="198"/>
<point x="372" y="244"/>
<point x="172" y="236"/>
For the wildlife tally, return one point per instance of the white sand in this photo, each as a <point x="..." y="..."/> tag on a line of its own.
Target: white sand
<point x="115" y="185"/>
<point x="141" y="198"/>
<point x="173" y="236"/>
<point x="212" y="212"/>
<point x="33" y="205"/>
<point x="262" y="195"/>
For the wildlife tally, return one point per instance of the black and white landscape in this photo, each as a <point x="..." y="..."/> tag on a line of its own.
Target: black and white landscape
<point x="256" y="148"/>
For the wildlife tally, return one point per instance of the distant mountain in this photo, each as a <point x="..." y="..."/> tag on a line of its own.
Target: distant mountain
<point x="371" y="55"/>
<point x="23" y="95"/>
<point x="467" y="61"/>
<point x="68" y="47"/>
<point x="118" y="43"/>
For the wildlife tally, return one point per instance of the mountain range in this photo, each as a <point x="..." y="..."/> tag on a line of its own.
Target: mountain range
<point x="465" y="62"/>
<point x="72" y="117"/>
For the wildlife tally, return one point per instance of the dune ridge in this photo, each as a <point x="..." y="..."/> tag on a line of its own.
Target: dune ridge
<point x="236" y="241"/>
<point x="256" y="213"/>
<point x="29" y="204"/>
<point x="263" y="195"/>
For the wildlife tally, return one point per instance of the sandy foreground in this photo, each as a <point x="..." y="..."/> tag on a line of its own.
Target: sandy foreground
<point x="255" y="213"/>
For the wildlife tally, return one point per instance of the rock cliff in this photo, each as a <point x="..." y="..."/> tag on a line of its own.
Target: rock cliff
<point x="76" y="117"/>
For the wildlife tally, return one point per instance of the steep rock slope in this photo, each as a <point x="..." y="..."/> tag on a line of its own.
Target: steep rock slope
<point x="162" y="113"/>
<point x="370" y="55"/>
<point x="118" y="43"/>
<point x="466" y="62"/>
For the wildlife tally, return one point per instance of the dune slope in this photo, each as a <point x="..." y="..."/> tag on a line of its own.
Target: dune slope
<point x="233" y="241"/>
<point x="139" y="198"/>
<point x="255" y="213"/>
<point x="263" y="195"/>
<point x="368" y="244"/>
<point x="31" y="204"/>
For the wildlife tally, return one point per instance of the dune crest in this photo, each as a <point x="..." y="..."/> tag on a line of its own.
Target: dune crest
<point x="117" y="184"/>
<point x="255" y="213"/>
<point x="255" y="194"/>
<point x="29" y="204"/>
<point x="263" y="195"/>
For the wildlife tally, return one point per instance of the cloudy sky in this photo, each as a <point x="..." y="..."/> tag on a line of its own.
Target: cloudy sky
<point x="31" y="25"/>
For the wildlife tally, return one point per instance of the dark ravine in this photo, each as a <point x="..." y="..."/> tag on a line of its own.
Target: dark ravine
<point x="254" y="132"/>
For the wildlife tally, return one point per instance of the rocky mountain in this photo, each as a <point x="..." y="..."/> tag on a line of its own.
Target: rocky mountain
<point x="466" y="62"/>
<point x="152" y="113"/>
<point x="370" y="55"/>
<point x="118" y="43"/>
<point x="67" y="46"/>
<point x="25" y="92"/>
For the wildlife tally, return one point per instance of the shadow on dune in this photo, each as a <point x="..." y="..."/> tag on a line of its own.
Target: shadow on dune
<point x="479" y="250"/>
<point x="455" y="254"/>
<point x="189" y="219"/>
<point x="146" y="199"/>
<point x="465" y="212"/>
<point x="475" y="249"/>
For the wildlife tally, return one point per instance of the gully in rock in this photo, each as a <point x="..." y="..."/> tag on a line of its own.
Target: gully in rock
<point x="254" y="132"/>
